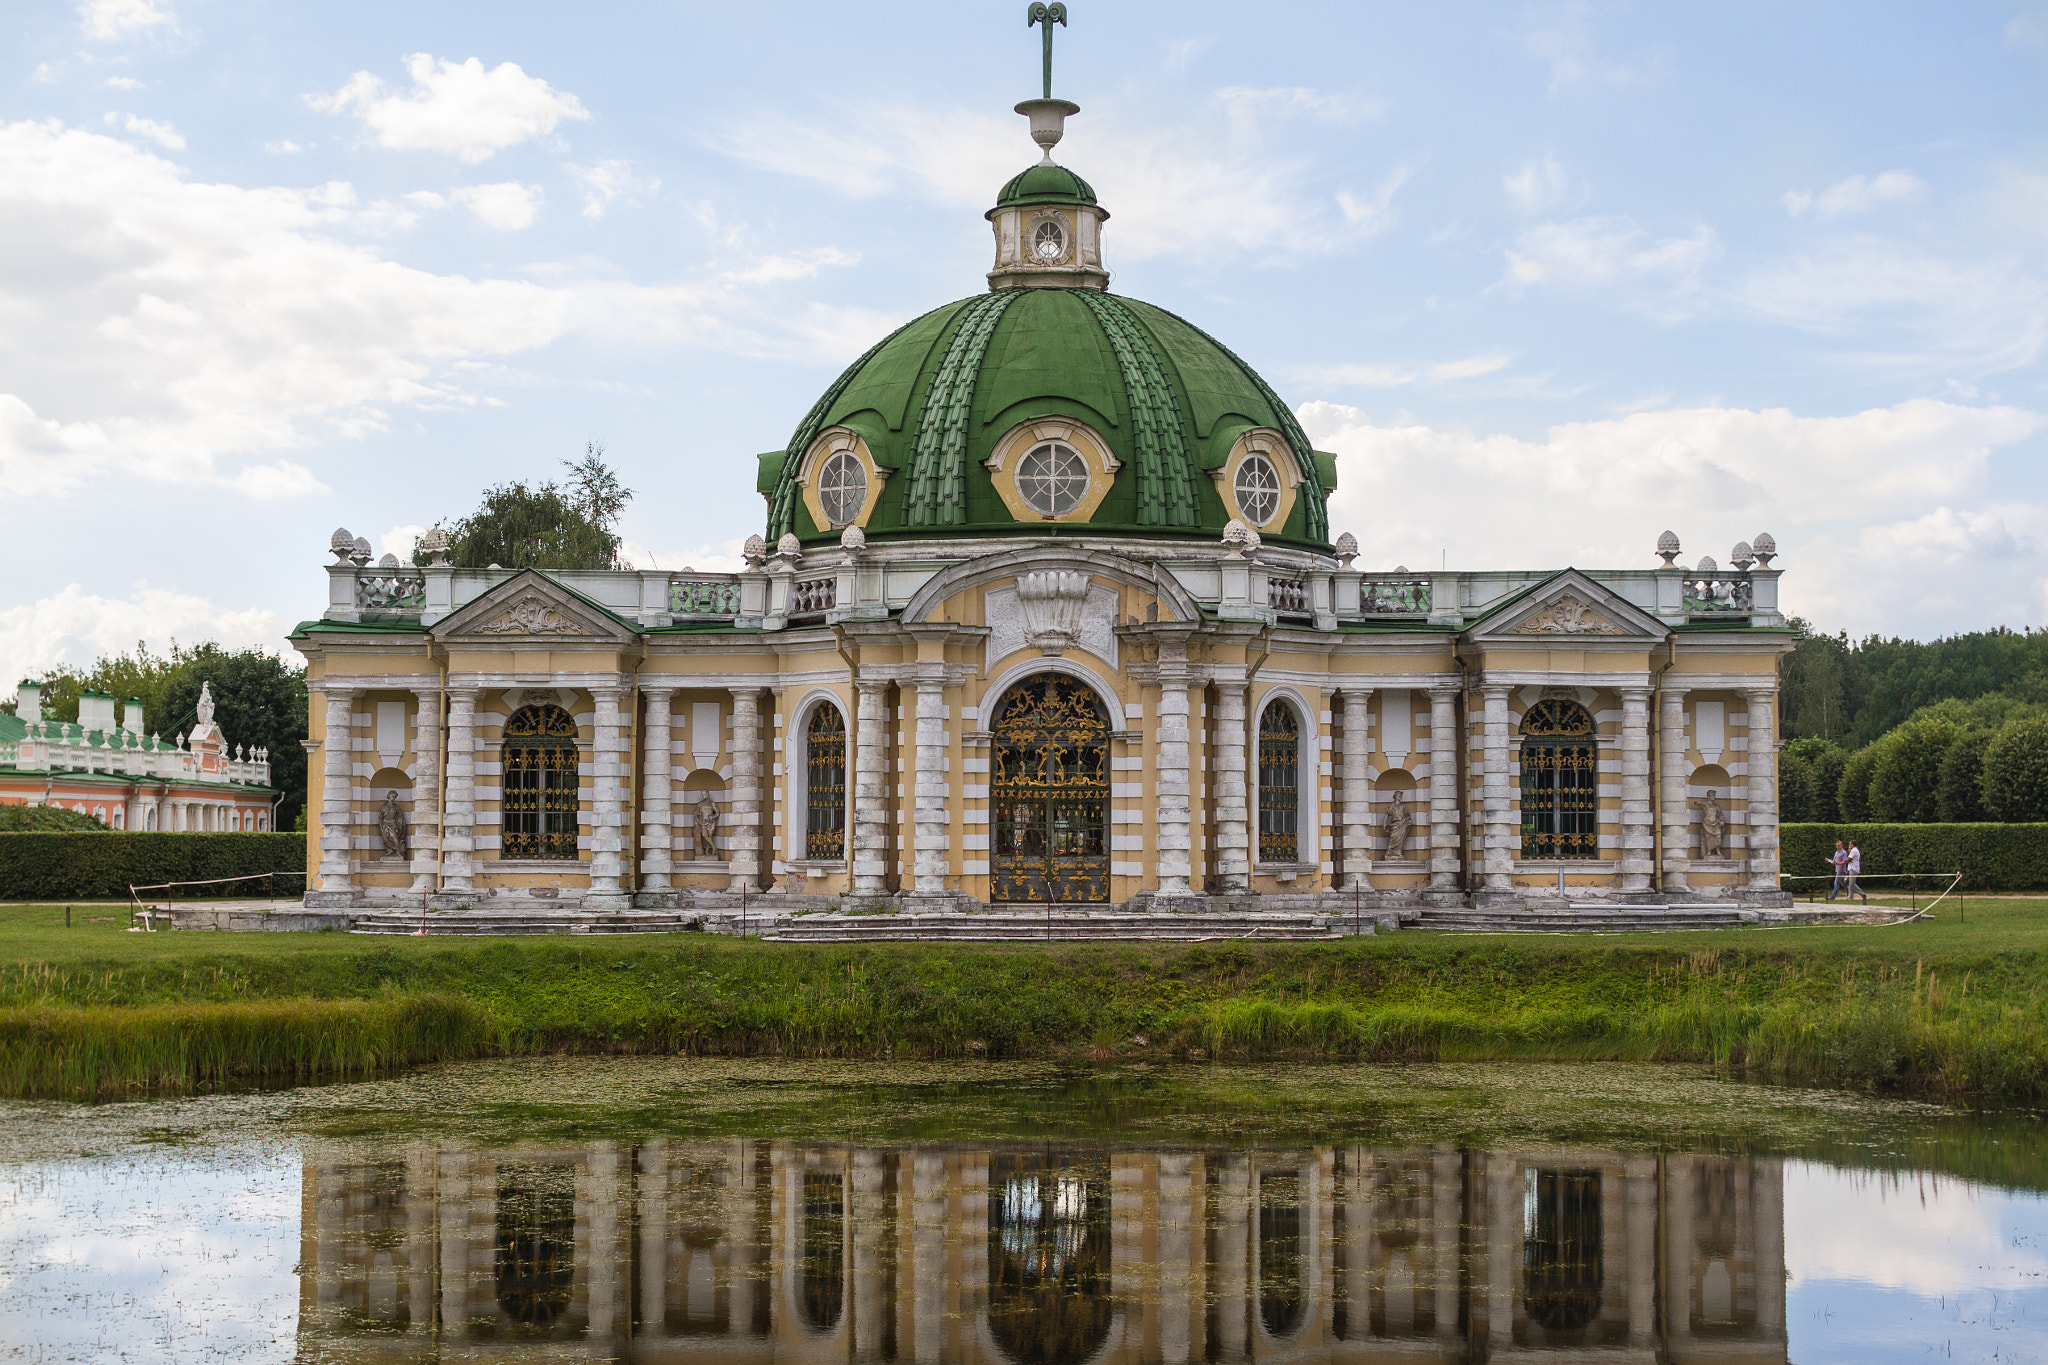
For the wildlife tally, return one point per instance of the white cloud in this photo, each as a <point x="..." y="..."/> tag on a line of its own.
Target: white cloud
<point x="1857" y="194"/>
<point x="1602" y="251"/>
<point x="107" y="20"/>
<point x="1398" y="376"/>
<point x="284" y="146"/>
<point x="1560" y="35"/>
<point x="1535" y="187"/>
<point x="454" y="107"/>
<point x="1920" y="1235"/>
<point x="608" y="181"/>
<point x="1815" y="483"/>
<point x="1246" y="103"/>
<point x="508" y="206"/>
<point x="73" y="626"/>
<point x="160" y="133"/>
<point x="399" y="541"/>
<point x="121" y="83"/>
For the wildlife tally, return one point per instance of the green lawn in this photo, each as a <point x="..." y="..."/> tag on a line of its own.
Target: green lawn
<point x="1942" y="1006"/>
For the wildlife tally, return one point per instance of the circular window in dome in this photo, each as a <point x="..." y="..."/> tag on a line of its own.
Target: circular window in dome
<point x="1049" y="241"/>
<point x="1258" y="489"/>
<point x="842" y="488"/>
<point x="1052" y="479"/>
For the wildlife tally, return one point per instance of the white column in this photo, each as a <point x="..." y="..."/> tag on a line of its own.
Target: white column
<point x="1762" y="830"/>
<point x="1672" y="772"/>
<point x="1444" y="819"/>
<point x="1497" y="858"/>
<point x="1231" y="796"/>
<point x="932" y="818"/>
<point x="869" y="859"/>
<point x="426" y="789"/>
<point x="657" y="837"/>
<point x="337" y="799"/>
<point x="458" y="834"/>
<point x="745" y="814"/>
<point x="1357" y="867"/>
<point x="607" y="801"/>
<point x="1638" y="839"/>
<point x="1172" y="813"/>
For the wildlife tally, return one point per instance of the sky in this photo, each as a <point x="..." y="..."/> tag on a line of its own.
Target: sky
<point x="1550" y="279"/>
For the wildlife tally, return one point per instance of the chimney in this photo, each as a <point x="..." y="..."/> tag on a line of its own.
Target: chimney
<point x="28" y="701"/>
<point x="131" y="715"/>
<point x="95" y="711"/>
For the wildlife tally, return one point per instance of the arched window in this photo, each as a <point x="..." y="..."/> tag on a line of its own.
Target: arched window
<point x="1049" y="1253"/>
<point x="120" y="818"/>
<point x="536" y="1243"/>
<point x="1561" y="1270"/>
<point x="1279" y="784"/>
<point x="1052" y="479"/>
<point x="842" y="487"/>
<point x="825" y="783"/>
<point x="1560" y="782"/>
<point x="539" y="805"/>
<point x="1257" y="487"/>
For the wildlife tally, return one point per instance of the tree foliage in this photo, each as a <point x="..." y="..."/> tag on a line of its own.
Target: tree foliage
<point x="1906" y="776"/>
<point x="1855" y="692"/>
<point x="2015" y="781"/>
<point x="1959" y="788"/>
<point x="34" y="819"/>
<point x="569" y="525"/>
<point x="1852" y="793"/>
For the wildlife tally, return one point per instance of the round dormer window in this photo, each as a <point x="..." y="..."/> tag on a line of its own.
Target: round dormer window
<point x="842" y="488"/>
<point x="1258" y="489"/>
<point x="1049" y="241"/>
<point x="1052" y="479"/>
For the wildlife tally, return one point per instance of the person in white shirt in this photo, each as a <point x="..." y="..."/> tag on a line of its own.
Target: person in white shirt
<point x="1840" y="862"/>
<point x="1855" y="871"/>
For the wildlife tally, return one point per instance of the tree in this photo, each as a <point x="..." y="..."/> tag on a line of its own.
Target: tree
<point x="1795" y="788"/>
<point x="1812" y="699"/>
<point x="50" y="819"/>
<point x="1852" y="793"/>
<point x="2015" y="781"/>
<point x="1959" y="790"/>
<point x="140" y="675"/>
<point x="1907" y="773"/>
<point x="259" y="701"/>
<point x="546" y="526"/>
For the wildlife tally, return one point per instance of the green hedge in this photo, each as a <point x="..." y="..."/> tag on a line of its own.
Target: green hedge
<point x="54" y="867"/>
<point x="1990" y="857"/>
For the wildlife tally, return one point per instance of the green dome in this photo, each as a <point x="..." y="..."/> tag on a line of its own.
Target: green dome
<point x="1046" y="184"/>
<point x="932" y="400"/>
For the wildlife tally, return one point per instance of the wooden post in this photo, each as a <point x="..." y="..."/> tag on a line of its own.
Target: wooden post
<point x="67" y="917"/>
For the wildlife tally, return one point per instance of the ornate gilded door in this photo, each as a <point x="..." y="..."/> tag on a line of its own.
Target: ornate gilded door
<point x="1049" y="794"/>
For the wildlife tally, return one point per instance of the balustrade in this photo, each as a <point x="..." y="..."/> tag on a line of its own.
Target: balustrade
<point x="1390" y="595"/>
<point x="1288" y="596"/>
<point x="1722" y="593"/>
<point x="812" y="595"/>
<point x="703" y="597"/>
<point x="384" y="589"/>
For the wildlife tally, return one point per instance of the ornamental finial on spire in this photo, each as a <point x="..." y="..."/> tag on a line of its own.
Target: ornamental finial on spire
<point x="1048" y="116"/>
<point x="1047" y="15"/>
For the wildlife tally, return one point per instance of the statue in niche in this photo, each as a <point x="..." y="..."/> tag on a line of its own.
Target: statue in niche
<point x="1399" y="823"/>
<point x="391" y="827"/>
<point x="1713" y="825"/>
<point x="706" y="820"/>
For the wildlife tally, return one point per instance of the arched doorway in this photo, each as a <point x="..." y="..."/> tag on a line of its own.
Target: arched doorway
<point x="1560" y="782"/>
<point x="1048" y="1258"/>
<point x="1049" y="793"/>
<point x="541" y="791"/>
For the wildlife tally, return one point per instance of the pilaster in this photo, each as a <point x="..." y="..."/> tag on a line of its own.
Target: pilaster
<point x="426" y="790"/>
<point x="1672" y="766"/>
<point x="1443" y="789"/>
<point x="1172" y="810"/>
<point x="337" y="802"/>
<point x="1638" y="839"/>
<point x="745" y="813"/>
<point x="1762" y="831"/>
<point x="1230" y="795"/>
<point x="932" y="815"/>
<point x="1496" y="857"/>
<point x="657" y="810"/>
<point x="1357" y="792"/>
<point x="458" y="832"/>
<point x="868" y="860"/>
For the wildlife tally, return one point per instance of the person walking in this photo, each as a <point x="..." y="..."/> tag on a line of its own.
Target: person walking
<point x="1840" y="862"/>
<point x="1855" y="871"/>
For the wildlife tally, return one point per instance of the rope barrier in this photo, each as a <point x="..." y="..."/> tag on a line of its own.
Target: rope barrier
<point x="149" y="915"/>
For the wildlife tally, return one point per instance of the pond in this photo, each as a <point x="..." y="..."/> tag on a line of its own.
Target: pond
<point x="654" y="1209"/>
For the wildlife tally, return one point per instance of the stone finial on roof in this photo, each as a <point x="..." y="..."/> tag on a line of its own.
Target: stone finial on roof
<point x="1741" y="556"/>
<point x="434" y="545"/>
<point x="1667" y="547"/>
<point x="342" y="544"/>
<point x="1347" y="549"/>
<point x="789" y="547"/>
<point x="360" y="555"/>
<point x="1765" y="548"/>
<point x="853" y="540"/>
<point x="388" y="562"/>
<point x="754" y="551"/>
<point x="1707" y="564"/>
<point x="1239" y="539"/>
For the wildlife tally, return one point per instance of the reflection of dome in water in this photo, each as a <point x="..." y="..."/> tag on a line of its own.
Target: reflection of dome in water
<point x="1048" y="1260"/>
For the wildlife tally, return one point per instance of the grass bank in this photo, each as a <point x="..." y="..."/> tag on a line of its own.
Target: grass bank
<point x="1936" y="1007"/>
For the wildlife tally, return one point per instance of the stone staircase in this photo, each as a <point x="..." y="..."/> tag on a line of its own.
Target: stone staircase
<point x="1062" y="926"/>
<point x="1580" y="917"/>
<point x="522" y="922"/>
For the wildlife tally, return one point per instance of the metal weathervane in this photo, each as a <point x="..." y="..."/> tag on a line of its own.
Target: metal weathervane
<point x="1047" y="15"/>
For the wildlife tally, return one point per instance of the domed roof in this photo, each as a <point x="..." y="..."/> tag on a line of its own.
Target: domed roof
<point x="1046" y="183"/>
<point x="932" y="400"/>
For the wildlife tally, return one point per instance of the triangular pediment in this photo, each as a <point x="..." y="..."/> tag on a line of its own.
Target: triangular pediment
<point x="1568" y="605"/>
<point x="531" y="606"/>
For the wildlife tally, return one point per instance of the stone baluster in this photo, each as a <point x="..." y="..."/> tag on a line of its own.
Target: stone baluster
<point x="745" y="812"/>
<point x="932" y="817"/>
<point x="1230" y="796"/>
<point x="1762" y="817"/>
<point x="458" y="833"/>
<point x="426" y="790"/>
<point x="1497" y="850"/>
<point x="657" y="808"/>
<point x="1444" y="819"/>
<point x="869" y="857"/>
<point x="1672" y="770"/>
<point x="607" y="801"/>
<point x="1357" y="792"/>
<point x="1173" y="813"/>
<point x="1638" y="839"/>
<point x="337" y="801"/>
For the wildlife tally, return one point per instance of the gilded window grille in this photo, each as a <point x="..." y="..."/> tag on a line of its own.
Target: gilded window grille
<point x="1279" y="785"/>
<point x="1560" y="782"/>
<point x="1049" y="794"/>
<point x="825" y="777"/>
<point x="541" y="790"/>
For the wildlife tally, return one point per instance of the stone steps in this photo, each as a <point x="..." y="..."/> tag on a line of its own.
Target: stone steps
<point x="997" y="926"/>
<point x="522" y="922"/>
<point x="1580" y="918"/>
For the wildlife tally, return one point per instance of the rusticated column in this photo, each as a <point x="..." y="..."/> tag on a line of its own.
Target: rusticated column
<point x="657" y="811"/>
<point x="1357" y="792"/>
<point x="1638" y="840"/>
<point x="1671" y="772"/>
<point x="745" y="814"/>
<point x="1762" y="832"/>
<point x="607" y="801"/>
<point x="1232" y="798"/>
<point x="1496" y="855"/>
<point x="426" y="789"/>
<point x="337" y="801"/>
<point x="1443" y="789"/>
<point x="932" y="817"/>
<point x="1172" y="812"/>
<point x="458" y="834"/>
<point x="870" y="854"/>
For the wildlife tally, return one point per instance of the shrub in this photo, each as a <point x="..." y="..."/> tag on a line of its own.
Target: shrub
<point x="1852" y="793"/>
<point x="1827" y="764"/>
<point x="2015" y="781"/>
<point x="75" y="866"/>
<point x="17" y="818"/>
<point x="1991" y="857"/>
<point x="1959" y="792"/>
<point x="1907" y="772"/>
<point x="1795" y="787"/>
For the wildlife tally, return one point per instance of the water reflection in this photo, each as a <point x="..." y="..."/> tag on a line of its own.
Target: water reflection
<point x="774" y="1251"/>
